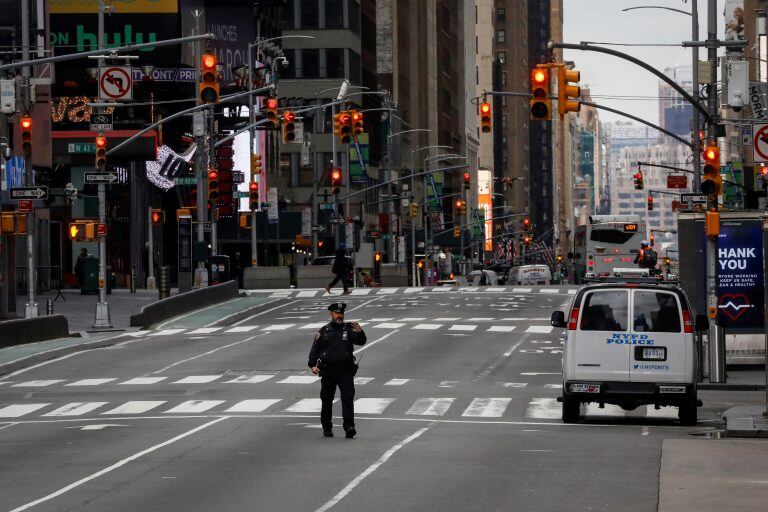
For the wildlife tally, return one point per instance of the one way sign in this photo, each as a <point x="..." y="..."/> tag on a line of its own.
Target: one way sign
<point x="29" y="193"/>
<point x="100" y="177"/>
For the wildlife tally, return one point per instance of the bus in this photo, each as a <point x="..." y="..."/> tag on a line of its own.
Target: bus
<point x="607" y="242"/>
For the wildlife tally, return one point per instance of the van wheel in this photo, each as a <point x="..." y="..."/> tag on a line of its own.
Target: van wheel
<point x="688" y="414"/>
<point x="571" y="410"/>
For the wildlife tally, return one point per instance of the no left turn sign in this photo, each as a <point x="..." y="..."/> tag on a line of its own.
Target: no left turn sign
<point x="760" y="142"/>
<point x="115" y="83"/>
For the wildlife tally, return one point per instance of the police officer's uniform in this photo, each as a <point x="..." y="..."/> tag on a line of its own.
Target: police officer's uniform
<point x="332" y="353"/>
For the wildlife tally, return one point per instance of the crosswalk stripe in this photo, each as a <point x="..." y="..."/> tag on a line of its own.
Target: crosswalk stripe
<point x="362" y="381"/>
<point x="249" y="379"/>
<point x="460" y="327"/>
<point x="205" y="330"/>
<point x="307" y="293"/>
<point x="442" y="319"/>
<point x="372" y="405"/>
<point x="386" y="291"/>
<point x="277" y="327"/>
<point x="411" y="319"/>
<point x="487" y="407"/>
<point x="299" y="379"/>
<point x="412" y="290"/>
<point x="572" y="292"/>
<point x="549" y="290"/>
<point x="37" y="383"/>
<point x="18" y="410"/>
<point x="166" y="332"/>
<point x="76" y="409"/>
<point x="396" y="382"/>
<point x="544" y="408"/>
<point x="494" y="289"/>
<point x="307" y="405"/>
<point x="241" y="328"/>
<point x="380" y="319"/>
<point x="254" y="405"/>
<point x="430" y="406"/>
<point x="197" y="379"/>
<point x="480" y="319"/>
<point x="361" y="291"/>
<point x="389" y="325"/>
<point x="522" y="290"/>
<point x="135" y="407"/>
<point x="540" y="329"/>
<point x="553" y="386"/>
<point x="514" y="384"/>
<point x="315" y="325"/>
<point x="501" y="328"/>
<point x="427" y="327"/>
<point x="90" y="382"/>
<point x="142" y="381"/>
<point x="194" y="407"/>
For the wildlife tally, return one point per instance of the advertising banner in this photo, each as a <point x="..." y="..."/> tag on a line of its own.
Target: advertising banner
<point x="740" y="275"/>
<point x="234" y="28"/>
<point x="118" y="6"/>
<point x="356" y="172"/>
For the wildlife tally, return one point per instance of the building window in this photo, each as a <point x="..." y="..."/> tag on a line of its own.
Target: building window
<point x="310" y="14"/>
<point x="289" y="71"/>
<point x="354" y="16"/>
<point x="354" y="67"/>
<point x="503" y="101"/>
<point x="334" y="63"/>
<point x="501" y="14"/>
<point x="334" y="14"/>
<point x="504" y="78"/>
<point x="504" y="121"/>
<point x="310" y="63"/>
<point x="501" y="56"/>
<point x="501" y="36"/>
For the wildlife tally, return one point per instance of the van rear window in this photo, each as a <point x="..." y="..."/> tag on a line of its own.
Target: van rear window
<point x="605" y="311"/>
<point x="656" y="312"/>
<point x="610" y="236"/>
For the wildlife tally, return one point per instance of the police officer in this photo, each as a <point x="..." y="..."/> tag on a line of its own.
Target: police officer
<point x="331" y="357"/>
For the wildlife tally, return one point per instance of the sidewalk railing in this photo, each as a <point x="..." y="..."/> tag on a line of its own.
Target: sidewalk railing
<point x="47" y="278"/>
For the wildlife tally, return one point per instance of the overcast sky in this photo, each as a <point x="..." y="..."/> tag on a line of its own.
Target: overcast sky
<point x="604" y="21"/>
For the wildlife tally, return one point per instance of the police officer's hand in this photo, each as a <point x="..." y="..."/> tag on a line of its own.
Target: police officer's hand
<point x="356" y="327"/>
<point x="315" y="370"/>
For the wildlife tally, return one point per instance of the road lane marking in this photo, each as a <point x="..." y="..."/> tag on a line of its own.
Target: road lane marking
<point x="135" y="407"/>
<point x="118" y="464"/>
<point x="372" y="405"/>
<point x="431" y="406"/>
<point x="197" y="379"/>
<point x="254" y="405"/>
<point x="299" y="379"/>
<point x="412" y="319"/>
<point x="307" y="293"/>
<point x="243" y="328"/>
<point x="166" y="332"/>
<point x="396" y="382"/>
<point x="205" y="330"/>
<point x="427" y="327"/>
<point x="195" y="312"/>
<point x="373" y="467"/>
<point x="549" y="290"/>
<point x="480" y="319"/>
<point x="307" y="405"/>
<point x="540" y="329"/>
<point x="388" y="325"/>
<point x="380" y="319"/>
<point x="244" y="320"/>
<point x="544" y="408"/>
<point x="460" y="327"/>
<point x="362" y="381"/>
<point x="315" y="325"/>
<point x="386" y="291"/>
<point x="277" y="327"/>
<point x="487" y="407"/>
<point x="522" y="290"/>
<point x="194" y="406"/>
<point x="369" y="345"/>
<point x="37" y="383"/>
<point x="361" y="291"/>
<point x="18" y="410"/>
<point x="206" y="353"/>
<point x="501" y="328"/>
<point x="90" y="382"/>
<point x="76" y="409"/>
<point x="249" y="379"/>
<point x="364" y="304"/>
<point x="142" y="381"/>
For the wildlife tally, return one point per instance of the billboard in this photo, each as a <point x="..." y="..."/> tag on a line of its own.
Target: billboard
<point x="740" y="275"/>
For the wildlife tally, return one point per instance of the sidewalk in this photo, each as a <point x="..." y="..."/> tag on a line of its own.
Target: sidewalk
<point x="80" y="310"/>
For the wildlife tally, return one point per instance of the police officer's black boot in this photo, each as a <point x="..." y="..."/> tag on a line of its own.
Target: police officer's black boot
<point x="327" y="433"/>
<point x="351" y="432"/>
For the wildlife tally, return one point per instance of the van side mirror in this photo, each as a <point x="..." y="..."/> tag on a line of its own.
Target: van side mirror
<point x="558" y="319"/>
<point x="702" y="323"/>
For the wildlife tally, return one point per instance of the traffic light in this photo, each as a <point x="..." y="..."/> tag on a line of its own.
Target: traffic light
<point x="253" y="196"/>
<point x="485" y="117"/>
<point x="414" y="210"/>
<point x="526" y="224"/>
<point x="255" y="164"/>
<point x="638" y="178"/>
<point x="335" y="180"/>
<point x="357" y="123"/>
<point x="667" y="260"/>
<point x="764" y="176"/>
<point x="458" y="204"/>
<point x="652" y="238"/>
<point x="209" y="85"/>
<point x="463" y="208"/>
<point x="158" y="216"/>
<point x="467" y="180"/>
<point x="711" y="182"/>
<point x="101" y="153"/>
<point x="541" y="107"/>
<point x="342" y="126"/>
<point x="559" y="258"/>
<point x="527" y="241"/>
<point x="272" y="118"/>
<point x="213" y="186"/>
<point x="289" y="127"/>
<point x="26" y="135"/>
<point x="456" y="233"/>
<point x="567" y="93"/>
<point x="377" y="257"/>
<point x="650" y="204"/>
<point x="82" y="231"/>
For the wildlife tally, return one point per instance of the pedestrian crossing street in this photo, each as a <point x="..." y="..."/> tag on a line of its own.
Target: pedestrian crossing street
<point x="251" y="378"/>
<point x="475" y="324"/>
<point x="476" y="408"/>
<point x="302" y="294"/>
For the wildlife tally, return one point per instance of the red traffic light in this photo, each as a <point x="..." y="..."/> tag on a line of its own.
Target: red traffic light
<point x="356" y="116"/>
<point x="458" y="203"/>
<point x="289" y="116"/>
<point x="209" y="61"/>
<point x="539" y="76"/>
<point x="335" y="175"/>
<point x="253" y="187"/>
<point x="712" y="153"/>
<point x="213" y="175"/>
<point x="638" y="176"/>
<point x="467" y="176"/>
<point x="26" y="123"/>
<point x="101" y="142"/>
<point x="763" y="170"/>
<point x="272" y="103"/>
<point x="485" y="108"/>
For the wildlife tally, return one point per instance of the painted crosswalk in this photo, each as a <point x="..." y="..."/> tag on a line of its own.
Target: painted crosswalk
<point x="490" y="408"/>
<point x="305" y="294"/>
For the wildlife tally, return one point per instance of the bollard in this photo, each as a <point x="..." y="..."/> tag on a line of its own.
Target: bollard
<point x="164" y="282"/>
<point x="49" y="307"/>
<point x="133" y="279"/>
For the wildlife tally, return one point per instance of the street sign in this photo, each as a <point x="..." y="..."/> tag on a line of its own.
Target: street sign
<point x="760" y="142"/>
<point x="337" y="220"/>
<point x="101" y="122"/>
<point x="26" y="206"/>
<point x="102" y="230"/>
<point x="327" y="207"/>
<point x="100" y="177"/>
<point x="758" y="99"/>
<point x="29" y="193"/>
<point x="238" y="177"/>
<point x="694" y="198"/>
<point x="185" y="180"/>
<point x="7" y="96"/>
<point x="207" y="226"/>
<point x="677" y="181"/>
<point x="115" y="83"/>
<point x="375" y="235"/>
<point x="81" y="148"/>
<point x="318" y="229"/>
<point x="242" y="194"/>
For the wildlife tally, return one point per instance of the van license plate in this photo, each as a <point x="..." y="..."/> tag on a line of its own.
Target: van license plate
<point x="585" y="388"/>
<point x="654" y="354"/>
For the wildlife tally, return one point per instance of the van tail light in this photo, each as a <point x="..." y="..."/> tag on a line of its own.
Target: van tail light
<point x="687" y="321"/>
<point x="574" y="319"/>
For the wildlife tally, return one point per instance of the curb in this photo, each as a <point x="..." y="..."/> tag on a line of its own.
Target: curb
<point x="54" y="353"/>
<point x="732" y="387"/>
<point x="182" y="303"/>
<point x="31" y="330"/>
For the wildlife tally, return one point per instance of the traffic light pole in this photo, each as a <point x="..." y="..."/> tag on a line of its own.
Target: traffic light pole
<point x="251" y="134"/>
<point x="30" y="310"/>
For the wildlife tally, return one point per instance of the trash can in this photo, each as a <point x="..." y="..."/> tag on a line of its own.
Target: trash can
<point x="218" y="269"/>
<point x="111" y="280"/>
<point x="90" y="284"/>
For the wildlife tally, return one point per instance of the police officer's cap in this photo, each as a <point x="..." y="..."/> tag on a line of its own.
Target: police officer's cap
<point x="337" y="307"/>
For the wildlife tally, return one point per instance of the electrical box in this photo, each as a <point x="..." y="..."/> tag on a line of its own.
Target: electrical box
<point x="737" y="83"/>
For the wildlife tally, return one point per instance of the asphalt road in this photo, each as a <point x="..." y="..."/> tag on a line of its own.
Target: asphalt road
<point x="455" y="407"/>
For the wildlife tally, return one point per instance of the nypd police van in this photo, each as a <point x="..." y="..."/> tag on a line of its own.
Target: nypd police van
<point x="630" y="344"/>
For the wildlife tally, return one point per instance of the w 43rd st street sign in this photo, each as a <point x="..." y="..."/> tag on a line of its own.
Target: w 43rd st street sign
<point x="100" y="177"/>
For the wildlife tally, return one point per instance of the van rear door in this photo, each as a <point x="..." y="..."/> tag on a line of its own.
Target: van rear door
<point x="660" y="349"/>
<point x="601" y="351"/>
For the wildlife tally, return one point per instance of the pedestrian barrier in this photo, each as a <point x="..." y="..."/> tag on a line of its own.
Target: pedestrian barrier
<point x="183" y="303"/>
<point x="259" y="278"/>
<point x="394" y="274"/>
<point x="47" y="278"/>
<point x="30" y="330"/>
<point x="314" y="276"/>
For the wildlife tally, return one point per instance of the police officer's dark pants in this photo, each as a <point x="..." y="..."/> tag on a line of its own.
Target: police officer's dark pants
<point x="345" y="381"/>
